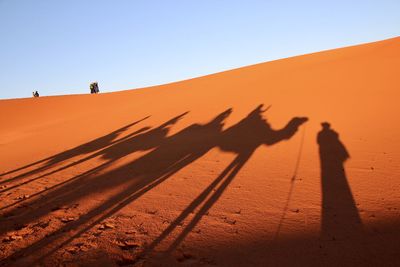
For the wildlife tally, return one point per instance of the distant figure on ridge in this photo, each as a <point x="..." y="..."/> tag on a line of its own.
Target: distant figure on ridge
<point x="94" y="88"/>
<point x="92" y="91"/>
<point x="35" y="94"/>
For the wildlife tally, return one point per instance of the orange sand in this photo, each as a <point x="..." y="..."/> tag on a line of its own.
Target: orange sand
<point x="197" y="173"/>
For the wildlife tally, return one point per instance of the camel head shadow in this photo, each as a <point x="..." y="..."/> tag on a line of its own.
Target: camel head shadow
<point x="254" y="131"/>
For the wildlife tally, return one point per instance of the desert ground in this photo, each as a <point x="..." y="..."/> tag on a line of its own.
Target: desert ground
<point x="293" y="162"/>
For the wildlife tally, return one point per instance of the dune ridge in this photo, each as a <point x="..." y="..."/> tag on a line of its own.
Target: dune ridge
<point x="229" y="169"/>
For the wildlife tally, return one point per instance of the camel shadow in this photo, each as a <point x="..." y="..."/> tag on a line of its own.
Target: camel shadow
<point x="168" y="155"/>
<point x="65" y="156"/>
<point x="242" y="139"/>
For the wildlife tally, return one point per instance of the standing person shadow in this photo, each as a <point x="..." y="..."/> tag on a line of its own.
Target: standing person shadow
<point x="243" y="139"/>
<point x="340" y="218"/>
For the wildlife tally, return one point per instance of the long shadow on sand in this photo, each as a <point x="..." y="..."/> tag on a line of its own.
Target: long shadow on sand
<point x="340" y="220"/>
<point x="253" y="131"/>
<point x="343" y="239"/>
<point x="51" y="162"/>
<point x="169" y="155"/>
<point x="75" y="188"/>
<point x="339" y="211"/>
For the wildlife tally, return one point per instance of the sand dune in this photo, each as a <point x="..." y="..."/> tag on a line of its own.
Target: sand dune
<point x="229" y="169"/>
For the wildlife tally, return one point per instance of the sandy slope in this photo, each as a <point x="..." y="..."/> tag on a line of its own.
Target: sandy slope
<point x="198" y="173"/>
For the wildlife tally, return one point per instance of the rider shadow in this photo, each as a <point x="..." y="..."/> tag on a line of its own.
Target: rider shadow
<point x="242" y="139"/>
<point x="90" y="181"/>
<point x="169" y="155"/>
<point x="340" y="217"/>
<point x="50" y="162"/>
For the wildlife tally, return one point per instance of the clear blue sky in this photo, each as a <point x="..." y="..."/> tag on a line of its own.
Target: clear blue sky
<point x="59" y="47"/>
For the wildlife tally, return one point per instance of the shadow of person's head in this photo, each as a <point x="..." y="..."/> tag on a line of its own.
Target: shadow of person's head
<point x="173" y="120"/>
<point x="221" y="117"/>
<point x="330" y="147"/>
<point x="325" y="125"/>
